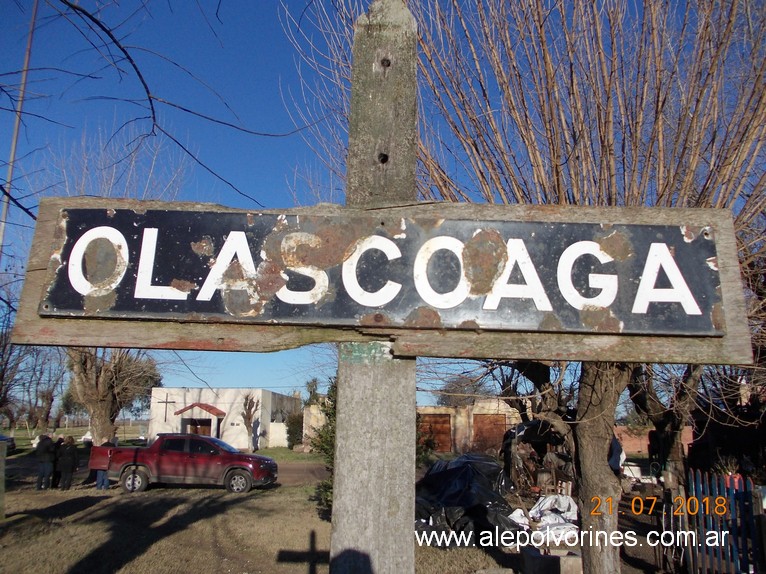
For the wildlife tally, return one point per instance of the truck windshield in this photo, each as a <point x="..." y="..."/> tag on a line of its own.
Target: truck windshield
<point x="223" y="446"/>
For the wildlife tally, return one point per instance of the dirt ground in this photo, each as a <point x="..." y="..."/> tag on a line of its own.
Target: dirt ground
<point x="167" y="530"/>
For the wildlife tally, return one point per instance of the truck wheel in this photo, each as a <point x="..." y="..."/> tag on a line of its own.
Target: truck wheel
<point x="134" y="480"/>
<point x="238" y="481"/>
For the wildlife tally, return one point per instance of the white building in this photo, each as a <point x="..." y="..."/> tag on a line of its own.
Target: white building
<point x="218" y="413"/>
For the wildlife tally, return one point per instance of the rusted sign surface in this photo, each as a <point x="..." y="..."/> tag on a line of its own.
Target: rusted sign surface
<point x="384" y="271"/>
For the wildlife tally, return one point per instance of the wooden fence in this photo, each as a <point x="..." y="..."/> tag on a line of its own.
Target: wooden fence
<point x="723" y="512"/>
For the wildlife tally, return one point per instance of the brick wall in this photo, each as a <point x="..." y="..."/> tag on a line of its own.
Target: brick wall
<point x="639" y="445"/>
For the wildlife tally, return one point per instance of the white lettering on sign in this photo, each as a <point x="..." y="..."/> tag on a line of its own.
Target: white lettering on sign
<point x="234" y="246"/>
<point x="659" y="257"/>
<point x="144" y="287"/>
<point x="606" y="283"/>
<point x="449" y="299"/>
<point x="234" y="269"/>
<point x="75" y="268"/>
<point x="290" y="244"/>
<point x="386" y="293"/>
<point x="532" y="288"/>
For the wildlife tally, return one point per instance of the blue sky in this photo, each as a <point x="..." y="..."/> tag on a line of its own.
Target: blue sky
<point x="245" y="59"/>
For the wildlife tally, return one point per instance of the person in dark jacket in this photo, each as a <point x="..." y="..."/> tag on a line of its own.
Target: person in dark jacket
<point x="56" y="476"/>
<point x="45" y="454"/>
<point x="68" y="462"/>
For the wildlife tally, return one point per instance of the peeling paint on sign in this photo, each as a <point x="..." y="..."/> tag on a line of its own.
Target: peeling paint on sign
<point x="375" y="272"/>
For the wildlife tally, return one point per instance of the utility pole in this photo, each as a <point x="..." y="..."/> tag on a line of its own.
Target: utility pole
<point x="15" y="137"/>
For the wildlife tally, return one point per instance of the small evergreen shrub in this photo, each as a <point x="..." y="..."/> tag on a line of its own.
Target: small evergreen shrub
<point x="294" y="424"/>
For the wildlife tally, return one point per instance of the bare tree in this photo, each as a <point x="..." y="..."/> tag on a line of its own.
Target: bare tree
<point x="11" y="364"/>
<point x="666" y="395"/>
<point x="575" y="103"/>
<point x="31" y="378"/>
<point x="250" y="406"/>
<point x="99" y="52"/>
<point x="105" y="381"/>
<point x="461" y="390"/>
<point x="99" y="165"/>
<point x="45" y="375"/>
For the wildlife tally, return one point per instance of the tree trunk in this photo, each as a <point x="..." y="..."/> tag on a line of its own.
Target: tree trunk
<point x="668" y="420"/>
<point x="102" y="423"/>
<point x="91" y="385"/>
<point x="45" y="411"/>
<point x="684" y="403"/>
<point x="598" y="487"/>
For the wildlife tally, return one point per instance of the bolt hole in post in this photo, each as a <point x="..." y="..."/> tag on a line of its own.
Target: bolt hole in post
<point x="383" y="157"/>
<point x="385" y="62"/>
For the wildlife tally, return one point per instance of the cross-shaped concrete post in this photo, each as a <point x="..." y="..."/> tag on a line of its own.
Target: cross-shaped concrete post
<point x="374" y="489"/>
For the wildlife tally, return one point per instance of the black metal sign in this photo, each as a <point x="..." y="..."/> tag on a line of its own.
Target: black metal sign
<point x="402" y="272"/>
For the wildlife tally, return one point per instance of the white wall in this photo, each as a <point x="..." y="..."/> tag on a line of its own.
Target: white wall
<point x="231" y="402"/>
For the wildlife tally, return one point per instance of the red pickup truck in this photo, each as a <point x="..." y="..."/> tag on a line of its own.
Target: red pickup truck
<point x="183" y="459"/>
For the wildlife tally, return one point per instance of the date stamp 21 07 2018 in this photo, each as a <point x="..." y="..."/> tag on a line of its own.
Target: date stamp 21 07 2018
<point x="646" y="505"/>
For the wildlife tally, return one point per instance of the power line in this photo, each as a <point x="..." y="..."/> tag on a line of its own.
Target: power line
<point x="195" y="375"/>
<point x="15" y="202"/>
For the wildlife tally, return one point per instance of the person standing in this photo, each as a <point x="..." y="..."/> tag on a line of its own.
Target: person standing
<point x="68" y="462"/>
<point x="45" y="454"/>
<point x="256" y="434"/>
<point x="102" y="478"/>
<point x="56" y="476"/>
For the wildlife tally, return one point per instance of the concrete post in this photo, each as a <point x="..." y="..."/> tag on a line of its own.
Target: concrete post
<point x="374" y="489"/>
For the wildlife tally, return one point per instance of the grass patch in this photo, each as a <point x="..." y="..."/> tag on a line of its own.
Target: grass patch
<point x="284" y="454"/>
<point x="464" y="560"/>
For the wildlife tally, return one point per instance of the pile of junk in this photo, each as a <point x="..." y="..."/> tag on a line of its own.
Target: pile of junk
<point x="470" y="493"/>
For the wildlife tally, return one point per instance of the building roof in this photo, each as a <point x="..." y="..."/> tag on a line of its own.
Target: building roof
<point x="215" y="411"/>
